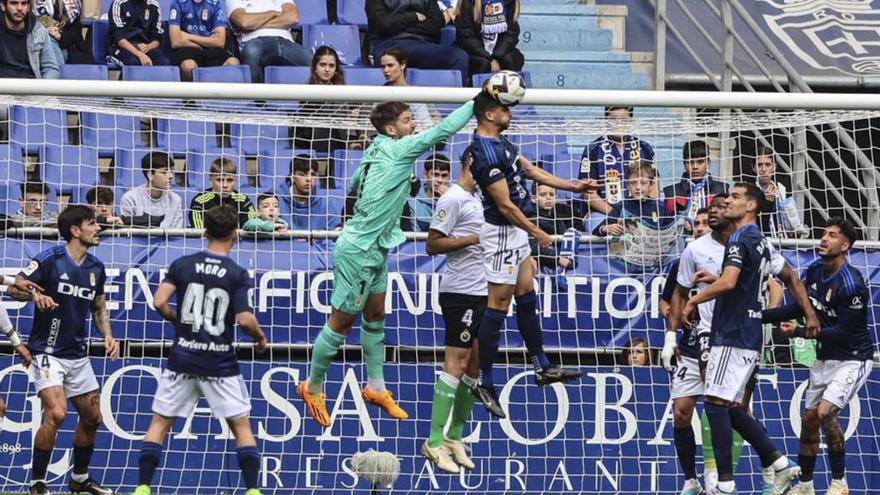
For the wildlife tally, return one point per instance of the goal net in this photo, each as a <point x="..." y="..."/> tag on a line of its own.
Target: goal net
<point x="610" y="432"/>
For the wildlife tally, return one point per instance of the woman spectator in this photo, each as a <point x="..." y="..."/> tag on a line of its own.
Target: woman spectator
<point x="63" y="20"/>
<point x="393" y="62"/>
<point x="637" y="353"/>
<point x="489" y="39"/>
<point x="325" y="69"/>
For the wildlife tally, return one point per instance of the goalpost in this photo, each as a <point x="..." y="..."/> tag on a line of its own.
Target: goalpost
<point x="610" y="432"/>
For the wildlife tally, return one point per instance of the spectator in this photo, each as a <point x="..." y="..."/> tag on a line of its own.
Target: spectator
<point x="436" y="183"/>
<point x="606" y="159"/>
<point x="489" y="38"/>
<point x="268" y="217"/>
<point x="779" y="217"/>
<point x="155" y="197"/>
<point x="393" y="62"/>
<point x="135" y="33"/>
<point x="637" y="353"/>
<point x="63" y="20"/>
<point x="27" y="51"/>
<point x="305" y="209"/>
<point x="554" y="218"/>
<point x="33" y="207"/>
<point x="325" y="69"/>
<point x="101" y="200"/>
<point x="264" y="37"/>
<point x="223" y="182"/>
<point x="697" y="186"/>
<point x="414" y="26"/>
<point x="197" y="31"/>
<point x="645" y="231"/>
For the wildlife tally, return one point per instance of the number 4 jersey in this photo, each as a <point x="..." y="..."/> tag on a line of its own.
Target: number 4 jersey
<point x="211" y="290"/>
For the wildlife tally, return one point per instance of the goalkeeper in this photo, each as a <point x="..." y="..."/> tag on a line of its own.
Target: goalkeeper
<point x="381" y="185"/>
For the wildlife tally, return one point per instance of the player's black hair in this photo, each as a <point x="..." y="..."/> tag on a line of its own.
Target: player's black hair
<point x="846" y="228"/>
<point x="466" y="159"/>
<point x="73" y="216"/>
<point x="702" y="211"/>
<point x="608" y="110"/>
<point x="753" y="192"/>
<point x="483" y="104"/>
<point x="763" y="151"/>
<point x="156" y="160"/>
<point x="694" y="150"/>
<point x="721" y="195"/>
<point x="33" y="187"/>
<point x="303" y="164"/>
<point x="100" y="195"/>
<point x="438" y="161"/>
<point x="384" y="114"/>
<point x="221" y="221"/>
<point x="263" y="196"/>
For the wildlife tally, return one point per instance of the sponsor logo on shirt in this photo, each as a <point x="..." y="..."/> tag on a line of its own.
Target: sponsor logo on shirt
<point x="64" y="276"/>
<point x="76" y="291"/>
<point x="856" y="303"/>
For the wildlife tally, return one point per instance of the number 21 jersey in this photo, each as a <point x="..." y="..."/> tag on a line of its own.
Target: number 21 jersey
<point x="211" y="290"/>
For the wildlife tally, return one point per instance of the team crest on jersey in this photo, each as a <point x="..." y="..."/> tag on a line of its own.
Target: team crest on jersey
<point x="147" y="15"/>
<point x="204" y="14"/>
<point x="31" y="268"/>
<point x="172" y="15"/>
<point x="92" y="278"/>
<point x="837" y="35"/>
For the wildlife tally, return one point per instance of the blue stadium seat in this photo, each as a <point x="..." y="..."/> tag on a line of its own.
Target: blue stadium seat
<point x="447" y="35"/>
<point x="99" y="32"/>
<point x="352" y="12"/>
<point x="287" y="75"/>
<point x="429" y="77"/>
<point x="223" y="74"/>
<point x="33" y="128"/>
<point x="151" y="73"/>
<point x="181" y="136"/>
<point x="312" y="12"/>
<point x="66" y="167"/>
<point x="364" y="76"/>
<point x="11" y="163"/>
<point x="259" y="140"/>
<point x="274" y="169"/>
<point x="562" y="164"/>
<point x="345" y="162"/>
<point x="345" y="39"/>
<point x="90" y="72"/>
<point x="477" y="80"/>
<point x="198" y="167"/>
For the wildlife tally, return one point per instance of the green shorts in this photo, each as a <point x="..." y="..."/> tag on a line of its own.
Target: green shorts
<point x="356" y="275"/>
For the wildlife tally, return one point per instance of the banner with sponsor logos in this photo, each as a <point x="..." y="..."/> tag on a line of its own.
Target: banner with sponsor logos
<point x="609" y="433"/>
<point x="598" y="304"/>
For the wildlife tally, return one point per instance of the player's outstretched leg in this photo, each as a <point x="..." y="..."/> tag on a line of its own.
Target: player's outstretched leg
<point x="752" y="432"/>
<point x="373" y="345"/>
<point x="89" y="410"/>
<point x="530" y="328"/>
<point x="461" y="413"/>
<point x="686" y="443"/>
<point x="710" y="470"/>
<point x="323" y="351"/>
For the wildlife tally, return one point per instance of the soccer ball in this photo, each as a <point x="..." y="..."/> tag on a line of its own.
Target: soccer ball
<point x="507" y="87"/>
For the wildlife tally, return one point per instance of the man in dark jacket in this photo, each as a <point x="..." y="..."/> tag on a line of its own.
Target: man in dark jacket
<point x="489" y="39"/>
<point x="697" y="186"/>
<point x="135" y="33"/>
<point x="414" y="26"/>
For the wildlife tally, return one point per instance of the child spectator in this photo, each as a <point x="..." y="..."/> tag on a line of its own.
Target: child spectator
<point x="436" y="183"/>
<point x="264" y="37"/>
<point x="27" y="51"/>
<point x="304" y="209"/>
<point x="155" y="197"/>
<point x="697" y="186"/>
<point x="100" y="199"/>
<point x="393" y="62"/>
<point x="645" y="232"/>
<point x="554" y="218"/>
<point x="268" y="217"/>
<point x="222" y="191"/>
<point x="488" y="31"/>
<point x="63" y="20"/>
<point x="33" y="207"/>
<point x="415" y="27"/>
<point x="197" y="31"/>
<point x="135" y="33"/>
<point x="637" y="353"/>
<point x="779" y="217"/>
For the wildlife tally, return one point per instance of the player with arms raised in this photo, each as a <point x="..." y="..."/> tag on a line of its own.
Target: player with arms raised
<point x="737" y="337"/>
<point x="360" y="256"/>
<point x="500" y="173"/>
<point x="211" y="297"/>
<point x="73" y="280"/>
<point x="845" y="351"/>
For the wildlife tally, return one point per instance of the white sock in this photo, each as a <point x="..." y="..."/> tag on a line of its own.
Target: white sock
<point x="780" y="464"/>
<point x="376" y="384"/>
<point x="79" y="478"/>
<point x="841" y="482"/>
<point x="691" y="483"/>
<point x="711" y="478"/>
<point x="727" y="486"/>
<point x="768" y="473"/>
<point x="449" y="380"/>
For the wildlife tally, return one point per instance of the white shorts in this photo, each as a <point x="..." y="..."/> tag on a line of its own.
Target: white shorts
<point x="836" y="382"/>
<point x="728" y="372"/>
<point x="178" y="394"/>
<point x="686" y="379"/>
<point x="75" y="376"/>
<point x="505" y="247"/>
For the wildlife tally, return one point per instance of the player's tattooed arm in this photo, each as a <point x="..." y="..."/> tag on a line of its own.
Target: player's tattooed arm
<point x="101" y="317"/>
<point x="161" y="301"/>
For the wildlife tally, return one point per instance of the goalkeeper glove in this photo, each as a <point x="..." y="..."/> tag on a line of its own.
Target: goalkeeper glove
<point x="668" y="351"/>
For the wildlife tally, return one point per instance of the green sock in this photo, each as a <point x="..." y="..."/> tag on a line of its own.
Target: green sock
<point x="461" y="412"/>
<point x="708" y="451"/>
<point x="373" y="345"/>
<point x="444" y="399"/>
<point x="737" y="448"/>
<point x="323" y="352"/>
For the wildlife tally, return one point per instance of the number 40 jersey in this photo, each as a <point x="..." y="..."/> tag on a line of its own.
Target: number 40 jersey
<point x="211" y="290"/>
